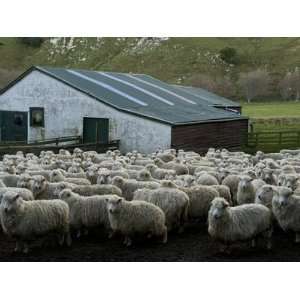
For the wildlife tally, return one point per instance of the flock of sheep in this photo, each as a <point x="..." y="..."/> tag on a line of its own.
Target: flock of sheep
<point x="62" y="196"/>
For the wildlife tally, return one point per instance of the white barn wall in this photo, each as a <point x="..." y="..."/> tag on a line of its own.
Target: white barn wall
<point x="65" y="108"/>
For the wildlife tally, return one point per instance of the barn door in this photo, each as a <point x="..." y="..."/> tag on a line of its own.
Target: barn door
<point x="13" y="126"/>
<point x="95" y="130"/>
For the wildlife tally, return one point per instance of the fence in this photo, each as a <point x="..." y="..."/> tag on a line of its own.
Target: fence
<point x="68" y="143"/>
<point x="272" y="141"/>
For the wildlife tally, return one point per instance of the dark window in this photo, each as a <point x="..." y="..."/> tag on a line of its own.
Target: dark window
<point x="37" y="116"/>
<point x="18" y="120"/>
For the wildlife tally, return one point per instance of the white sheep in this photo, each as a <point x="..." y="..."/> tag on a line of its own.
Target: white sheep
<point x="25" y="220"/>
<point x="159" y="173"/>
<point x="86" y="212"/>
<point x="173" y="202"/>
<point x="241" y="223"/>
<point x="57" y="176"/>
<point x="96" y="189"/>
<point x="286" y="209"/>
<point x="136" y="217"/>
<point x="128" y="186"/>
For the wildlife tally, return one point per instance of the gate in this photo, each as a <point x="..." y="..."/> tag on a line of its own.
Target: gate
<point x="95" y="130"/>
<point x="13" y="126"/>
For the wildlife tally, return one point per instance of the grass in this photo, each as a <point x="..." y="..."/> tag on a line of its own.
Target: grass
<point x="272" y="110"/>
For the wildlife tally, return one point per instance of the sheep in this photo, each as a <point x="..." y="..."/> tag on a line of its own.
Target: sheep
<point x="26" y="194"/>
<point x="10" y="180"/>
<point x="224" y="192"/>
<point x="241" y="223"/>
<point x="45" y="173"/>
<point x="246" y="192"/>
<point x="200" y="198"/>
<point x="166" y="157"/>
<point x="159" y="173"/>
<point x="286" y="209"/>
<point x="179" y="168"/>
<point x="136" y="217"/>
<point x="232" y="181"/>
<point x="105" y="176"/>
<point x="206" y="179"/>
<point x="2" y="185"/>
<point x="128" y="186"/>
<point x="145" y="175"/>
<point x="96" y="189"/>
<point x="173" y="202"/>
<point x="86" y="212"/>
<point x="264" y="196"/>
<point x="25" y="181"/>
<point x="25" y="220"/>
<point x="43" y="189"/>
<point x="57" y="176"/>
<point x="268" y="176"/>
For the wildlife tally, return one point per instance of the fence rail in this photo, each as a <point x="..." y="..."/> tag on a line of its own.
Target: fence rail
<point x="68" y="143"/>
<point x="270" y="141"/>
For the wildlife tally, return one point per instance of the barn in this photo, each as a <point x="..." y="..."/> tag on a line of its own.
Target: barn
<point x="142" y="112"/>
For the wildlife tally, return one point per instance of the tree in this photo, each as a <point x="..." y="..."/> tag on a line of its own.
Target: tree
<point x="35" y="42"/>
<point x="229" y="55"/>
<point x="289" y="86"/>
<point x="203" y="81"/>
<point x="254" y="83"/>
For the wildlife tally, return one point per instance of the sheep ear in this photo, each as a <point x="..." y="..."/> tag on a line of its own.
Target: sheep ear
<point x="16" y="197"/>
<point x="119" y="200"/>
<point x="106" y="200"/>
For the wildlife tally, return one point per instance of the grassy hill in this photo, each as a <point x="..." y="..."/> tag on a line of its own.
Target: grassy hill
<point x="176" y="60"/>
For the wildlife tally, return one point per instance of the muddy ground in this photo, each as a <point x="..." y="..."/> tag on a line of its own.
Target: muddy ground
<point x="193" y="245"/>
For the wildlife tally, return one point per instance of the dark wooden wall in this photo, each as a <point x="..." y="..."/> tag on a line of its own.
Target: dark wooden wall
<point x="200" y="137"/>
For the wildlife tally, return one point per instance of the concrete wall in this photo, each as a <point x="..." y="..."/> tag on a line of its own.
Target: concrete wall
<point x="65" y="108"/>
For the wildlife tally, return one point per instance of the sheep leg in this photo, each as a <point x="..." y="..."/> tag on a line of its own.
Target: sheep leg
<point x="61" y="239"/>
<point x="25" y="248"/>
<point x="85" y="232"/>
<point x="68" y="239"/>
<point x="19" y="246"/>
<point x="78" y="235"/>
<point x="253" y="243"/>
<point x="111" y="234"/>
<point x="297" y="238"/>
<point x="165" y="236"/>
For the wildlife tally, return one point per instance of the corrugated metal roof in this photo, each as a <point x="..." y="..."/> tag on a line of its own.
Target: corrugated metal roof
<point x="209" y="97"/>
<point x="142" y="95"/>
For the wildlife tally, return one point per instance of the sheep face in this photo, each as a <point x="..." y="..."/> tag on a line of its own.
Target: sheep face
<point x="218" y="208"/>
<point x="60" y="187"/>
<point x="245" y="182"/>
<point x="39" y="184"/>
<point x="281" y="180"/>
<point x="11" y="202"/>
<point x="114" y="205"/>
<point x="266" y="192"/>
<point x="283" y="197"/>
<point x="291" y="181"/>
<point x="118" y="181"/>
<point x="66" y="195"/>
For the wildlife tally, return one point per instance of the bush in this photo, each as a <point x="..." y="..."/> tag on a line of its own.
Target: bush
<point x="35" y="42"/>
<point x="229" y="55"/>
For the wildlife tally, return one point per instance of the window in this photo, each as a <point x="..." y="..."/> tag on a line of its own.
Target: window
<point x="18" y="119"/>
<point x="37" y="116"/>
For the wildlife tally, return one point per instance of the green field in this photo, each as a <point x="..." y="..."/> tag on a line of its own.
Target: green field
<point x="272" y="110"/>
<point x="273" y="116"/>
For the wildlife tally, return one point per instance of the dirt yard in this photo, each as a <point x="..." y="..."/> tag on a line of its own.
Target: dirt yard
<point x="193" y="245"/>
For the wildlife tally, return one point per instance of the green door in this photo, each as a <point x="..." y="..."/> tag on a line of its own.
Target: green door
<point x="95" y="130"/>
<point x="13" y="126"/>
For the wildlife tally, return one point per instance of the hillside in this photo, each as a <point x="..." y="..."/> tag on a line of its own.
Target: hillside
<point x="176" y="60"/>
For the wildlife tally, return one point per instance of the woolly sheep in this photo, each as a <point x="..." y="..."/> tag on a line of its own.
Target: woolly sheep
<point x="246" y="192"/>
<point x="44" y="190"/>
<point x="173" y="202"/>
<point x="25" y="220"/>
<point x="286" y="209"/>
<point x="57" y="176"/>
<point x="159" y="173"/>
<point x="86" y="212"/>
<point x="206" y="179"/>
<point x="232" y="181"/>
<point x="23" y="192"/>
<point x="264" y="196"/>
<point x="200" y="198"/>
<point x="179" y="168"/>
<point x="224" y="192"/>
<point x="136" y="217"/>
<point x="128" y="186"/>
<point x="241" y="223"/>
<point x="96" y="189"/>
<point x="10" y="180"/>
